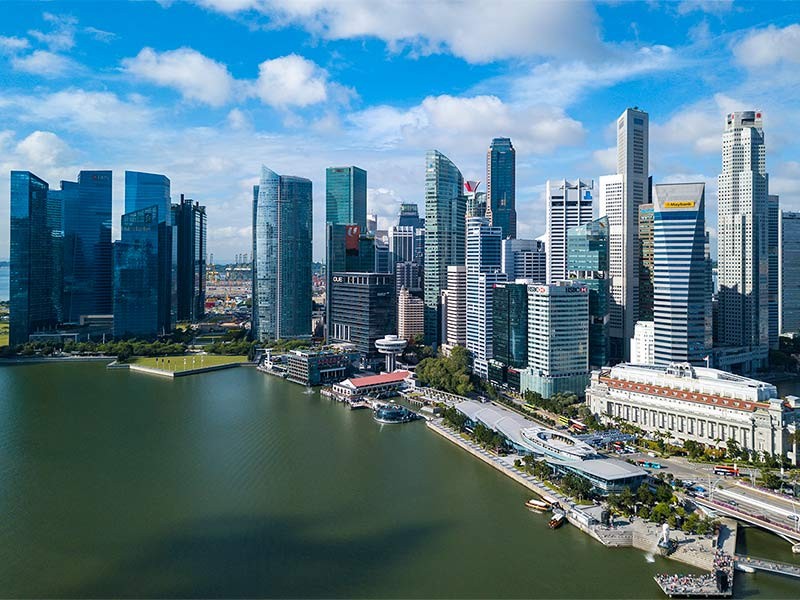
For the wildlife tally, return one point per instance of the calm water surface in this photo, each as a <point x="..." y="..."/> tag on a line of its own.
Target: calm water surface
<point x="238" y="484"/>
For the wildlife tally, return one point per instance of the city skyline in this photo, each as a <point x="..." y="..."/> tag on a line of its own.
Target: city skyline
<point x="76" y="68"/>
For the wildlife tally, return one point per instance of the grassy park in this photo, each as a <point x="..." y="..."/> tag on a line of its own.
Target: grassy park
<point x="3" y="334"/>
<point x="185" y="363"/>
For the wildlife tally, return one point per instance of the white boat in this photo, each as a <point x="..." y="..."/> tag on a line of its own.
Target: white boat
<point x="539" y="505"/>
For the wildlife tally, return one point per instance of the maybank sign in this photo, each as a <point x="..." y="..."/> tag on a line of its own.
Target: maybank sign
<point x="679" y="204"/>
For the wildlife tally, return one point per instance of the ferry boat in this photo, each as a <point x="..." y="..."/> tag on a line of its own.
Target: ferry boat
<point x="393" y="413"/>
<point x="558" y="519"/>
<point x="539" y="505"/>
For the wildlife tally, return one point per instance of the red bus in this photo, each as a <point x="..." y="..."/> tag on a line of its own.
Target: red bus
<point x="577" y="426"/>
<point x="726" y="470"/>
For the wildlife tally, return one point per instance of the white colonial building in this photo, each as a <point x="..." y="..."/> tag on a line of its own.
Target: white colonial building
<point x="696" y="403"/>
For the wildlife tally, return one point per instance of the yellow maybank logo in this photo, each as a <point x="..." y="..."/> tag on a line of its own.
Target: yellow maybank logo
<point x="679" y="204"/>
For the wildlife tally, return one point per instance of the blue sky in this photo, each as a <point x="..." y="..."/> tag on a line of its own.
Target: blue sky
<point x="207" y="91"/>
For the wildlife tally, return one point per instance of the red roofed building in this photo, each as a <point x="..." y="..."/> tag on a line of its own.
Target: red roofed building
<point x="386" y="384"/>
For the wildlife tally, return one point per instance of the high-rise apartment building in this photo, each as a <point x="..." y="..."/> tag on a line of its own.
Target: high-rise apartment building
<point x="346" y="196"/>
<point x="36" y="256"/>
<point x="445" y="207"/>
<point x="682" y="283"/>
<point x="646" y="262"/>
<point x="569" y="204"/>
<point x="743" y="244"/>
<point x="773" y="256"/>
<point x="789" y="273"/>
<point x="524" y="259"/>
<point x="190" y="224"/>
<point x="587" y="264"/>
<point x="282" y="230"/>
<point x="410" y="315"/>
<point x="483" y="273"/>
<point x="501" y="207"/>
<point x="87" y="273"/>
<point x="621" y="195"/>
<point x="558" y="339"/>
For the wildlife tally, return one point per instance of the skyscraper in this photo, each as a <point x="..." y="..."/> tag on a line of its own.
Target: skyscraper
<point x="621" y="195"/>
<point x="681" y="285"/>
<point x="789" y="286"/>
<point x="743" y="263"/>
<point x="646" y="262"/>
<point x="524" y="259"/>
<point x="476" y="201"/>
<point x="282" y="230"/>
<point x="509" y="333"/>
<point x="455" y="307"/>
<point x="410" y="315"/>
<point x="346" y="196"/>
<point x="409" y="216"/>
<point x="36" y="256"/>
<point x="501" y="207"/>
<point x="773" y="242"/>
<point x="148" y="189"/>
<point x="587" y="264"/>
<point x="445" y="207"/>
<point x="569" y="204"/>
<point x="401" y="244"/>
<point x="483" y="273"/>
<point x="87" y="245"/>
<point x="190" y="223"/>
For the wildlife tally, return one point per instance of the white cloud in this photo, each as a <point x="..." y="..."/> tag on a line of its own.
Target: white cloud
<point x="194" y="75"/>
<point x="291" y="81"/>
<point x="62" y="34"/>
<point x="237" y="119"/>
<point x="715" y="7"/>
<point x="44" y="148"/>
<point x="478" y="31"/>
<point x="766" y="47"/>
<point x="45" y="64"/>
<point x="12" y="44"/>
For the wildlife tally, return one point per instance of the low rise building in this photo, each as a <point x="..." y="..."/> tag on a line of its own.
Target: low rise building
<point x="319" y="367"/>
<point x="377" y="386"/>
<point x="699" y="404"/>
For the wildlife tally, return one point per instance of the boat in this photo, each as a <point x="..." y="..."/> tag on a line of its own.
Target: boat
<point x="393" y="413"/>
<point x="558" y="519"/>
<point x="539" y="505"/>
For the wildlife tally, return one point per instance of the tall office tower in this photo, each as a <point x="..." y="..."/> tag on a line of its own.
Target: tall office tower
<point x="476" y="201"/>
<point x="501" y="209"/>
<point x="87" y="245"/>
<point x="190" y="223"/>
<point x="789" y="273"/>
<point x="587" y="263"/>
<point x="524" y="259"/>
<point x="643" y="344"/>
<point x="36" y="256"/>
<point x="409" y="216"/>
<point x="509" y="333"/>
<point x="346" y="196"/>
<point x="456" y="317"/>
<point x="148" y="189"/>
<point x="558" y="339"/>
<point x="363" y="310"/>
<point x="445" y="206"/>
<point x="646" y="262"/>
<point x="773" y="243"/>
<point x="138" y="276"/>
<point x="282" y="229"/>
<point x="408" y="275"/>
<point x="483" y="273"/>
<point x="410" y="315"/>
<point x="347" y="250"/>
<point x="401" y="244"/>
<point x="383" y="257"/>
<point x="681" y="298"/>
<point x="372" y="223"/>
<point x="743" y="262"/>
<point x="569" y="204"/>
<point x="621" y="195"/>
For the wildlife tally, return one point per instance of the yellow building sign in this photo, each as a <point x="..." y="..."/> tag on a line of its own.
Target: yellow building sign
<point x="680" y="204"/>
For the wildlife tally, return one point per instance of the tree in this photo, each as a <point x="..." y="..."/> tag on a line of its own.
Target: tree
<point x="661" y="512"/>
<point x="734" y="451"/>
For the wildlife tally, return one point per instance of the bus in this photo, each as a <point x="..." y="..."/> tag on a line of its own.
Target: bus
<point x="726" y="470"/>
<point x="648" y="465"/>
<point x="577" y="426"/>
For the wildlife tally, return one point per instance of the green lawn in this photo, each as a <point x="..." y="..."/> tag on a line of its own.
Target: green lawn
<point x="183" y="363"/>
<point x="3" y="334"/>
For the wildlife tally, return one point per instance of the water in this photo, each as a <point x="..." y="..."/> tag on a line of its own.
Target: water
<point x="238" y="484"/>
<point x="4" y="282"/>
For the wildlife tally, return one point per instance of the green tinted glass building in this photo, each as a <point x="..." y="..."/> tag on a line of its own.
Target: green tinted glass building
<point x="346" y="196"/>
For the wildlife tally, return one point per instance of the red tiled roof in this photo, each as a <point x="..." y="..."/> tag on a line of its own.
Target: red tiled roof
<point x="709" y="399"/>
<point x="395" y="377"/>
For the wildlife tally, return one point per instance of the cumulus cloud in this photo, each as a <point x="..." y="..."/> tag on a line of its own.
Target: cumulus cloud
<point x="44" y="148"/>
<point x="715" y="7"/>
<point x="194" y="75"/>
<point x="45" y="64"/>
<point x="62" y="33"/>
<point x="291" y="81"/>
<point x="769" y="46"/>
<point x="13" y="44"/>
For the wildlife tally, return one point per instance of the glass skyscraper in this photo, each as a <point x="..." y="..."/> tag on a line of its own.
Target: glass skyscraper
<point x="646" y="262"/>
<point x="36" y="255"/>
<point x="190" y="226"/>
<point x="87" y="245"/>
<point x="346" y="196"/>
<point x="282" y="230"/>
<point x="681" y="286"/>
<point x="510" y="320"/>
<point x="445" y="210"/>
<point x="501" y="186"/>
<point x="147" y="189"/>
<point x="789" y="272"/>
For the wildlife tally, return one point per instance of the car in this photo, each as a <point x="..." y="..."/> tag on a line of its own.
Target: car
<point x="733" y="503"/>
<point x="794" y="517"/>
<point x="652" y="454"/>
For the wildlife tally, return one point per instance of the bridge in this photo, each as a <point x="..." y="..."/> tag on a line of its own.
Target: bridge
<point x="749" y="564"/>
<point x="758" y="520"/>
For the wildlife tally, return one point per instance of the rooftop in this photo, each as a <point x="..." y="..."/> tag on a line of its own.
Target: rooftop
<point x="362" y="382"/>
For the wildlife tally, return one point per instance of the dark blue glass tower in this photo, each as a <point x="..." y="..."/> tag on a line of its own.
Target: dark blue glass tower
<point x="36" y="254"/>
<point x="501" y="186"/>
<point x="190" y="226"/>
<point x="147" y="189"/>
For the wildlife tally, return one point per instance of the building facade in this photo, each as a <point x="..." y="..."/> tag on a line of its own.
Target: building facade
<point x="346" y="196"/>
<point x="789" y="272"/>
<point x="445" y="209"/>
<point x="282" y="230"/>
<point x="410" y="315"/>
<point x="682" y="281"/>
<point x="524" y="259"/>
<point x="643" y="344"/>
<point x="143" y="190"/>
<point x="773" y="257"/>
<point x="408" y="275"/>
<point x="454" y="303"/>
<point x="190" y="224"/>
<point x="646" y="262"/>
<point x="569" y="204"/>
<point x="699" y="404"/>
<point x="501" y="210"/>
